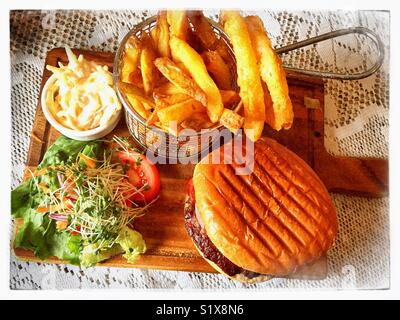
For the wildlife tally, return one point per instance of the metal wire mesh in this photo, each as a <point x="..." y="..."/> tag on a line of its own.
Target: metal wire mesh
<point x="152" y="138"/>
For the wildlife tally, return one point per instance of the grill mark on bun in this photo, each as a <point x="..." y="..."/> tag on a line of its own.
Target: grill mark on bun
<point x="241" y="180"/>
<point x="282" y="189"/>
<point x="294" y="166"/>
<point x="260" y="236"/>
<point x="227" y="223"/>
<point x="281" y="207"/>
<point x="302" y="201"/>
<point x="236" y="210"/>
<point x="306" y="221"/>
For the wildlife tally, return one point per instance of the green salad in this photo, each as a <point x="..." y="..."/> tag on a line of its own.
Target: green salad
<point x="77" y="205"/>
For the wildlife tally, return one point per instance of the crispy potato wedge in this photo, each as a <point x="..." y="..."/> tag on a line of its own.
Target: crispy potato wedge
<point x="130" y="63"/>
<point x="161" y="81"/>
<point x="180" y="111"/>
<point x="197" y="121"/>
<point x="203" y="30"/>
<point x="229" y="98"/>
<point x="154" y="36"/>
<point x="197" y="69"/>
<point x="269" y="105"/>
<point x="223" y="51"/>
<point x="147" y="106"/>
<point x="138" y="106"/>
<point x="146" y="40"/>
<point x="136" y="92"/>
<point x="167" y="89"/>
<point x="148" y="69"/>
<point x="163" y="101"/>
<point x="163" y="35"/>
<point x="272" y="73"/>
<point x="249" y="80"/>
<point x="231" y="120"/>
<point x="218" y="69"/>
<point x="152" y="118"/>
<point x="135" y="78"/>
<point x="193" y="40"/>
<point x="179" y="78"/>
<point x="178" y="23"/>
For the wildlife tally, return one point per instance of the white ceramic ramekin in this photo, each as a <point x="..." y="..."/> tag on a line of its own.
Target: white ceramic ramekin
<point x="86" y="135"/>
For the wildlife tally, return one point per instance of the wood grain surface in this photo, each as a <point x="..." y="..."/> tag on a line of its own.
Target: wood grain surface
<point x="169" y="247"/>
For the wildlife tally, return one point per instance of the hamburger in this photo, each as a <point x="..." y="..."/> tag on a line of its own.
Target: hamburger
<point x="264" y="224"/>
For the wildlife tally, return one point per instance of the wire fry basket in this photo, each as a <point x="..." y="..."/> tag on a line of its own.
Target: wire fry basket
<point x="161" y="143"/>
<point x="173" y="148"/>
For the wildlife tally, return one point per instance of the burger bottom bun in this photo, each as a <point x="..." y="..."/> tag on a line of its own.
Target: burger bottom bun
<point x="237" y="277"/>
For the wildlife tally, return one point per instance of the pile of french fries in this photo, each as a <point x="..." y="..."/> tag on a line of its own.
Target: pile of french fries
<point x="179" y="75"/>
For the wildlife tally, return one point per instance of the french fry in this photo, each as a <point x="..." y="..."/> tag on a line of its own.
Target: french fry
<point x="180" y="79"/>
<point x="178" y="23"/>
<point x="130" y="62"/>
<point x="136" y="92"/>
<point x="181" y="66"/>
<point x="203" y="30"/>
<point x="231" y="120"/>
<point x="153" y="117"/>
<point x="197" y="121"/>
<point x="149" y="71"/>
<point x="147" y="106"/>
<point x="229" y="98"/>
<point x="180" y="111"/>
<point x="167" y="89"/>
<point x="218" y="69"/>
<point x="163" y="101"/>
<point x="163" y="35"/>
<point x="193" y="40"/>
<point x="222" y="50"/>
<point x="269" y="105"/>
<point x="138" y="106"/>
<point x="154" y="36"/>
<point x="271" y="70"/>
<point x="197" y="69"/>
<point x="135" y="78"/>
<point x="249" y="81"/>
<point x="146" y="41"/>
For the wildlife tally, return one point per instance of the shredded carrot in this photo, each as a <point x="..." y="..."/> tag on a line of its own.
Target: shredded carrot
<point x="61" y="225"/>
<point x="90" y="162"/>
<point x="54" y="208"/>
<point x="43" y="187"/>
<point x="40" y="172"/>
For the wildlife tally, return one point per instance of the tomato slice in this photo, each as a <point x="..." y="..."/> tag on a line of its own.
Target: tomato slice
<point x="143" y="174"/>
<point x="74" y="233"/>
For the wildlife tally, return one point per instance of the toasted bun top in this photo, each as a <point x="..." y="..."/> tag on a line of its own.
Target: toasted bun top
<point x="270" y="221"/>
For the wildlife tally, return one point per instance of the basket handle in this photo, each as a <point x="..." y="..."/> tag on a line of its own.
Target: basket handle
<point x="330" y="35"/>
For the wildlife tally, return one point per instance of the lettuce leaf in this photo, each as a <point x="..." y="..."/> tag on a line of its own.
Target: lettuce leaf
<point x="132" y="243"/>
<point x="38" y="232"/>
<point x="90" y="255"/>
<point x="65" y="149"/>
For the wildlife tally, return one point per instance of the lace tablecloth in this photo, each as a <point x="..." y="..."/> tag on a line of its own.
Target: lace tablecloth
<point x="356" y="123"/>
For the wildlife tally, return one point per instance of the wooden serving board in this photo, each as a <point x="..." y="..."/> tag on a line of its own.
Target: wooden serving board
<point x="169" y="247"/>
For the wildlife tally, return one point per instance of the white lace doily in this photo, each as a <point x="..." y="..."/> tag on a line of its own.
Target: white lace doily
<point x="356" y="124"/>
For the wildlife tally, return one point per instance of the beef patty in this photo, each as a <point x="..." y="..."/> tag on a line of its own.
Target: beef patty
<point x="197" y="232"/>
